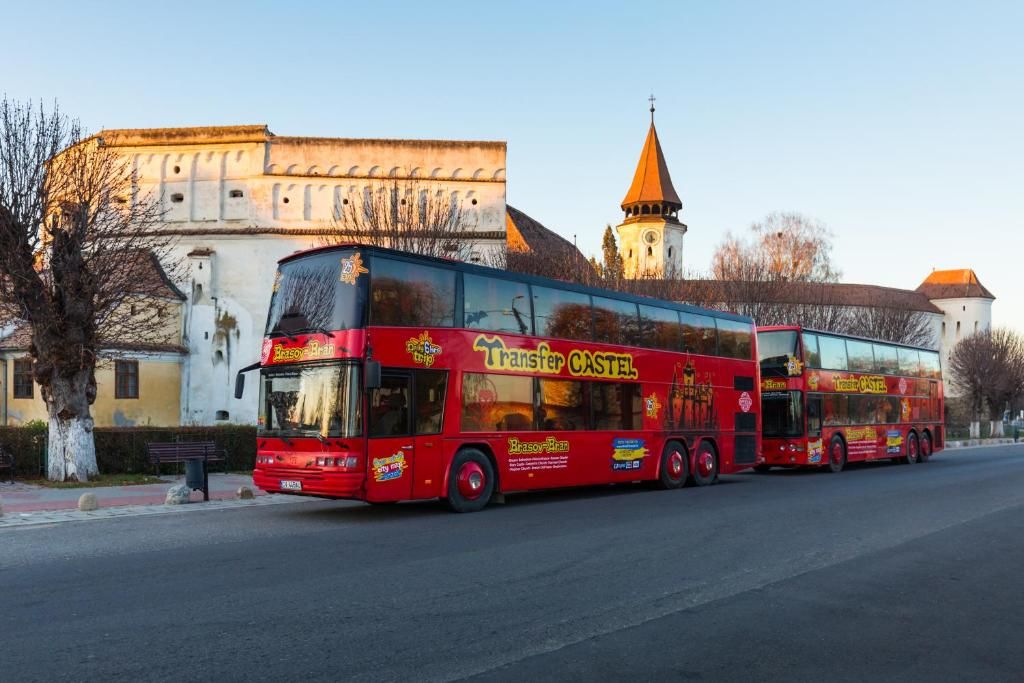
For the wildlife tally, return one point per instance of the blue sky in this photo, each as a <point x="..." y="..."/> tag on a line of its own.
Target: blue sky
<point x="899" y="125"/>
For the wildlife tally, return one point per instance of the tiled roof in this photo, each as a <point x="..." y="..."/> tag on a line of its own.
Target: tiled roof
<point x="525" y="234"/>
<point x="651" y="181"/>
<point x="18" y="340"/>
<point x="152" y="279"/>
<point x="954" y="284"/>
<point x="816" y="293"/>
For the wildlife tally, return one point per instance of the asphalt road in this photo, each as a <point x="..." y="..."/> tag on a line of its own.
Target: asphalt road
<point x="883" y="572"/>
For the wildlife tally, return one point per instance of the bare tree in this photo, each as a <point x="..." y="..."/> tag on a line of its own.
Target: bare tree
<point x="78" y="245"/>
<point x="780" y="273"/>
<point x="410" y="215"/>
<point x="898" y="325"/>
<point x="784" y="246"/>
<point x="988" y="367"/>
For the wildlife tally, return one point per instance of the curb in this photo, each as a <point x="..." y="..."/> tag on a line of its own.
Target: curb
<point x="980" y="443"/>
<point x="51" y="517"/>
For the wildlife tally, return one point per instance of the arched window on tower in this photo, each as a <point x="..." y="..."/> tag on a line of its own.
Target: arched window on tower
<point x="670" y="252"/>
<point x="650" y="251"/>
<point x="656" y="209"/>
<point x="645" y="210"/>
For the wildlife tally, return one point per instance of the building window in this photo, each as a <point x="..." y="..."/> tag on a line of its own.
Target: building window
<point x="126" y="379"/>
<point x="943" y="330"/>
<point x="958" y="328"/>
<point x="23" y="386"/>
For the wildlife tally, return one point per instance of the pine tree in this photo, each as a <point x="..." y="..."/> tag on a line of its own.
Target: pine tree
<point x="612" y="268"/>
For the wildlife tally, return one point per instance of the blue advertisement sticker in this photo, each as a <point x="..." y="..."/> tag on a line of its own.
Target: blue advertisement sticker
<point x="627" y="454"/>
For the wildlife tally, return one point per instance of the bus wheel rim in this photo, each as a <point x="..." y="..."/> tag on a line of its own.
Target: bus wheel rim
<point x="675" y="464"/>
<point x="471" y="480"/>
<point x="706" y="464"/>
<point x="837" y="453"/>
<point x="913" y="449"/>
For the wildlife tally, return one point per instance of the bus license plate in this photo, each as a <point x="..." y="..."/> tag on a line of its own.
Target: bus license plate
<point x="291" y="485"/>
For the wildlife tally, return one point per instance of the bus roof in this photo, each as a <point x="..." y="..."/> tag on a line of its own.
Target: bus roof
<point x="800" y="328"/>
<point x="521" y="277"/>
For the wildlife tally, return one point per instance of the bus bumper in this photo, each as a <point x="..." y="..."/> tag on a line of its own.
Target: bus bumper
<point x="310" y="482"/>
<point x="793" y="452"/>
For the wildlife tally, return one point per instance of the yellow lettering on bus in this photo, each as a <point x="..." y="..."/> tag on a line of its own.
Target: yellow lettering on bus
<point x="602" y="364"/>
<point x="497" y="356"/>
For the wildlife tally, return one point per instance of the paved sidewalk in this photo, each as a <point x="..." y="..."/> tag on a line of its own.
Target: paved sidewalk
<point x="26" y="497"/>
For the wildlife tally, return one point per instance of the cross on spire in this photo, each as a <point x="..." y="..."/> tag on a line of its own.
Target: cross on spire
<point x="651" y="100"/>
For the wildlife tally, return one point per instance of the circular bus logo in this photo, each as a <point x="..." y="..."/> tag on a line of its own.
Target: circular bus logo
<point x="745" y="401"/>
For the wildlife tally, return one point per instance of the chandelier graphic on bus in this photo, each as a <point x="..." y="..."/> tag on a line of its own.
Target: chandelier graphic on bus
<point x="691" y="404"/>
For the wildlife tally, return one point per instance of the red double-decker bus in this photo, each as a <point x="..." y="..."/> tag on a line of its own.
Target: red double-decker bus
<point x="387" y="376"/>
<point x="828" y="399"/>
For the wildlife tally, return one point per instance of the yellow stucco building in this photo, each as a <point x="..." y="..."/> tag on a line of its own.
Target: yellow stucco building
<point x="137" y="385"/>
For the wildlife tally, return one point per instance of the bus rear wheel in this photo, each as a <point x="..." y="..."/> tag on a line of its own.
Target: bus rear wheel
<point x="470" y="481"/>
<point x="836" y="455"/>
<point x="913" y="452"/>
<point x="705" y="465"/>
<point x="926" y="447"/>
<point x="673" y="470"/>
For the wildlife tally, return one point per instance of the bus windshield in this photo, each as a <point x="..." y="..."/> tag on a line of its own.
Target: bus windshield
<point x="318" y="293"/>
<point x="311" y="400"/>
<point x="782" y="413"/>
<point x="774" y="350"/>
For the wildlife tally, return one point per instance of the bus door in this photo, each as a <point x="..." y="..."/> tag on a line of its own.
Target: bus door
<point x="390" y="446"/>
<point x="430" y="389"/>
<point x="816" y="448"/>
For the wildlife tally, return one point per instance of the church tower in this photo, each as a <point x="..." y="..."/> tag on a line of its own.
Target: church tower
<point x="651" y="236"/>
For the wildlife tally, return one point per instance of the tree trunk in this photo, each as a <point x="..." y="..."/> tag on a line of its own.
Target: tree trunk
<point x="71" y="451"/>
<point x="975" y="429"/>
<point x="996" y="428"/>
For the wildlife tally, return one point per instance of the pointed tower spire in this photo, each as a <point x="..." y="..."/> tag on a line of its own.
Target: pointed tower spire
<point x="652" y="191"/>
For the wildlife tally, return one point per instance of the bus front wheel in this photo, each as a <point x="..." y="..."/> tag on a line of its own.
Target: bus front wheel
<point x="705" y="465"/>
<point x="470" y="481"/>
<point x="836" y="455"/>
<point x="673" y="470"/>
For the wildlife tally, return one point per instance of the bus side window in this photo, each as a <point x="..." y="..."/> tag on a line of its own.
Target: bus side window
<point x="430" y="392"/>
<point x="812" y="358"/>
<point x="814" y="416"/>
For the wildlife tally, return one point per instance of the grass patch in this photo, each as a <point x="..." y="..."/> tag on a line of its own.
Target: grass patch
<point x="101" y="480"/>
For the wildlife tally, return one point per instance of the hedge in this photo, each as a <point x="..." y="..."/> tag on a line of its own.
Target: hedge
<point x="122" y="450"/>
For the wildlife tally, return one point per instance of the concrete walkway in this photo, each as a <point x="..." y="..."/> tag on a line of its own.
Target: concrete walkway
<point x="26" y="497"/>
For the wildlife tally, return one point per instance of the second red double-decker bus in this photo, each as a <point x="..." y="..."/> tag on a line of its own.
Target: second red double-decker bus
<point x="828" y="399"/>
<point x="387" y="376"/>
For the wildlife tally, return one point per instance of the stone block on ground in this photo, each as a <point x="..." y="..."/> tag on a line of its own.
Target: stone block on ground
<point x="245" y="493"/>
<point x="88" y="502"/>
<point x="178" y="494"/>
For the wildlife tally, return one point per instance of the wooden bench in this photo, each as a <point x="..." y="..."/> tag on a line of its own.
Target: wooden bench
<point x="7" y="463"/>
<point x="183" y="451"/>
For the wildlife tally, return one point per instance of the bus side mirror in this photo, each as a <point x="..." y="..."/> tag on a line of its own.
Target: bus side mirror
<point x="240" y="379"/>
<point x="372" y="375"/>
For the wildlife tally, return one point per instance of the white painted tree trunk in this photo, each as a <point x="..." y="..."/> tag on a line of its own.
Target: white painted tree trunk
<point x="996" y="428"/>
<point x="975" y="430"/>
<point x="71" y="451"/>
